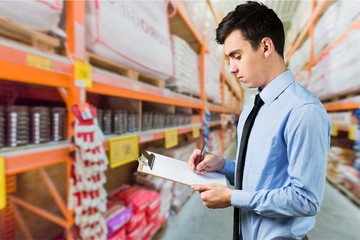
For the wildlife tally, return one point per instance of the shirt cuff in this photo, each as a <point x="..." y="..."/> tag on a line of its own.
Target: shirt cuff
<point x="228" y="167"/>
<point x="240" y="198"/>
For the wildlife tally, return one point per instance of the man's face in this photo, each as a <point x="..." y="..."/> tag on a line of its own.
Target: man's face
<point x="245" y="62"/>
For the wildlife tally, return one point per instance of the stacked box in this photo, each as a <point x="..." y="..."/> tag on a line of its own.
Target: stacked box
<point x="18" y="129"/>
<point x="147" y="121"/>
<point x="162" y="186"/>
<point x="40" y="125"/>
<point x="58" y="124"/>
<point x="41" y="15"/>
<point x="117" y="216"/>
<point x="120" y="121"/>
<point x="107" y="121"/>
<point x="147" y="45"/>
<point x="186" y="61"/>
<point x="132" y="120"/>
<point x="349" y="177"/>
<point x="212" y="78"/>
<point x="145" y="206"/>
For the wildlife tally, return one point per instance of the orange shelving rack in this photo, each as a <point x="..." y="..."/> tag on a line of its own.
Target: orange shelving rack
<point x="318" y="9"/>
<point x="58" y="72"/>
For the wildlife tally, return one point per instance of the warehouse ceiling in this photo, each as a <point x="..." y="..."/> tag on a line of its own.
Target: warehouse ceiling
<point x="284" y="8"/>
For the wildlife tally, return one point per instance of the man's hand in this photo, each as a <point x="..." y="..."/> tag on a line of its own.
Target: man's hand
<point x="211" y="162"/>
<point x="214" y="195"/>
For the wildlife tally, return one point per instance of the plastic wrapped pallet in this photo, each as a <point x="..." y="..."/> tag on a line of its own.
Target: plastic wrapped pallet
<point x="299" y="20"/>
<point x="318" y="81"/>
<point x="132" y="33"/>
<point x="195" y="11"/>
<point x="186" y="63"/>
<point x="39" y="15"/>
<point x="342" y="66"/>
<point x="212" y="78"/>
<point x="300" y="57"/>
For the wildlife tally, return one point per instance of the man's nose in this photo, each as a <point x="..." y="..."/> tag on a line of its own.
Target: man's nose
<point x="233" y="68"/>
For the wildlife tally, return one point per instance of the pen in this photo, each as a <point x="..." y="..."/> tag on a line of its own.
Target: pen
<point x="200" y="157"/>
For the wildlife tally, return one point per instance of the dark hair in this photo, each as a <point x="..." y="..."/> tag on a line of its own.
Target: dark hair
<point x="255" y="21"/>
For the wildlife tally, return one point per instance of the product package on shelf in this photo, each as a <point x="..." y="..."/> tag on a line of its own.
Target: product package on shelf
<point x="162" y="186"/>
<point x="87" y="192"/>
<point x="300" y="57"/>
<point x="40" y="125"/>
<point x="132" y="33"/>
<point x="195" y="11"/>
<point x="17" y="126"/>
<point x="186" y="63"/>
<point x="349" y="178"/>
<point x="58" y="123"/>
<point x="39" y="15"/>
<point x="23" y="125"/>
<point x="318" y="81"/>
<point x="338" y="64"/>
<point x="212" y="78"/>
<point x="298" y="22"/>
<point x="145" y="205"/>
<point x="338" y="156"/>
<point x="114" y="121"/>
<point x="337" y="18"/>
<point x="342" y="65"/>
<point x="156" y="120"/>
<point x="117" y="215"/>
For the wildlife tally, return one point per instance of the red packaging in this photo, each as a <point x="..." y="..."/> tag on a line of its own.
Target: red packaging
<point x="135" y="198"/>
<point x="119" y="235"/>
<point x="135" y="221"/>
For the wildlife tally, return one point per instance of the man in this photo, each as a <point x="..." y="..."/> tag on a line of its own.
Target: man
<point x="280" y="172"/>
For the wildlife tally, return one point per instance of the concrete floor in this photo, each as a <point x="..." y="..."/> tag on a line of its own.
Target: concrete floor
<point x="339" y="219"/>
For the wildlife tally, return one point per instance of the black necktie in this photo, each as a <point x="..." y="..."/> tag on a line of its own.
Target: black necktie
<point x="241" y="160"/>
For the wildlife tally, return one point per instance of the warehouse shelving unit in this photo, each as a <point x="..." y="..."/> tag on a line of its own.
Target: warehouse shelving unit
<point x="27" y="65"/>
<point x="333" y="105"/>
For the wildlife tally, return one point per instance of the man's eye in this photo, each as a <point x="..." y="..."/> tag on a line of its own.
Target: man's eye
<point x="237" y="57"/>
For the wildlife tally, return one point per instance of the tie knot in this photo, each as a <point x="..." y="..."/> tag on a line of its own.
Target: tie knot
<point x="258" y="101"/>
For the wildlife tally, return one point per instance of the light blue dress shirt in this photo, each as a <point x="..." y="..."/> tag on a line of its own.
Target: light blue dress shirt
<point x="285" y="165"/>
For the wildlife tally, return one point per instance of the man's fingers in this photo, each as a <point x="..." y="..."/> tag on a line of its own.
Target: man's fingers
<point x="199" y="187"/>
<point x="191" y="161"/>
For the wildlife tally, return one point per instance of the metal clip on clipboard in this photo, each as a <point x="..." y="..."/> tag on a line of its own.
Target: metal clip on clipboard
<point x="146" y="159"/>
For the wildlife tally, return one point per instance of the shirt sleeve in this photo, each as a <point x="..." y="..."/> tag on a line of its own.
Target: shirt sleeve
<point x="307" y="138"/>
<point x="229" y="170"/>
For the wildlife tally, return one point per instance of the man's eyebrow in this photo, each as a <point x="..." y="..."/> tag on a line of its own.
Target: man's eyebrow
<point x="232" y="53"/>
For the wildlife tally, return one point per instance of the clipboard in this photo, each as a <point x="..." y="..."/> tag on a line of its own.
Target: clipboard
<point x="175" y="170"/>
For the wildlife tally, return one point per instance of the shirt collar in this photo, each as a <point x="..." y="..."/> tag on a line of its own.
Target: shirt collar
<point x="276" y="87"/>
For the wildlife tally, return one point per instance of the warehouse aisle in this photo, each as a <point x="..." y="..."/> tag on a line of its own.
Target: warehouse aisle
<point x="339" y="219"/>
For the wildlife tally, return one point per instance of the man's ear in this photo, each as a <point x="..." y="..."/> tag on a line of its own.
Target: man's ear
<point x="267" y="46"/>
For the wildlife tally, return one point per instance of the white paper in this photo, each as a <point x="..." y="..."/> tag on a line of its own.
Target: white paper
<point x="178" y="171"/>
